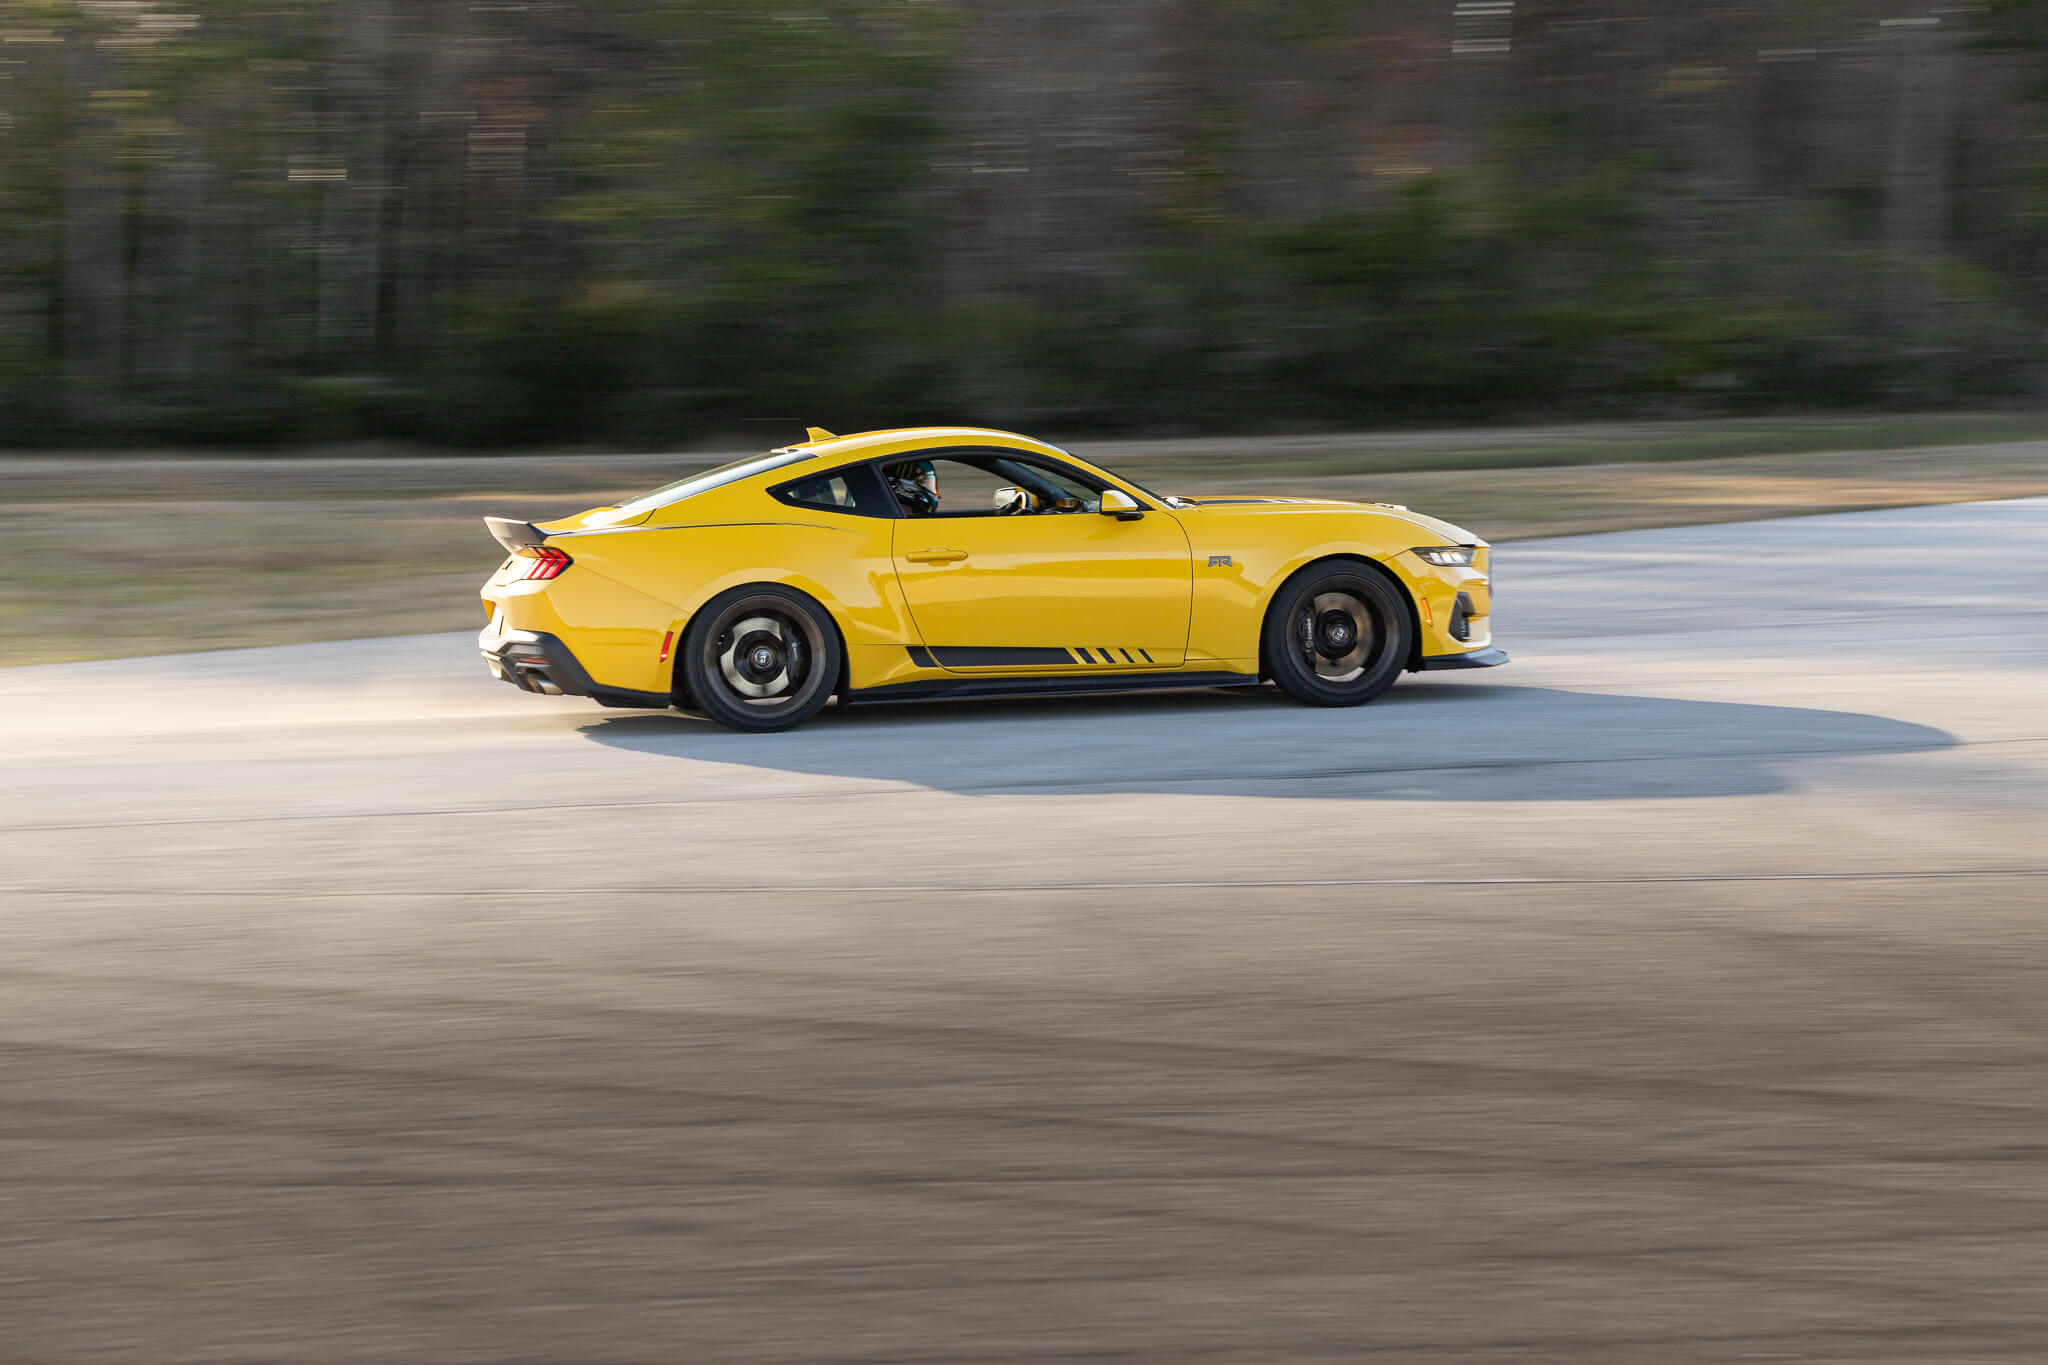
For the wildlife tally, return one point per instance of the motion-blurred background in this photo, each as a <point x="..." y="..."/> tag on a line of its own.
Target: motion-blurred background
<point x="639" y="222"/>
<point x="1644" y="264"/>
<point x="1669" y="995"/>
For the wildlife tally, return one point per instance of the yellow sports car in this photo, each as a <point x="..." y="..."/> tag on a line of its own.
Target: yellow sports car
<point x="953" y="561"/>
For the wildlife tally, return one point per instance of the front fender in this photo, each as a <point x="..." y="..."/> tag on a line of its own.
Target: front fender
<point x="1266" y="545"/>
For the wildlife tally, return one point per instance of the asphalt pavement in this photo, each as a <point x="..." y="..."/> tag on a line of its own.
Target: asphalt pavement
<point x="1678" y="992"/>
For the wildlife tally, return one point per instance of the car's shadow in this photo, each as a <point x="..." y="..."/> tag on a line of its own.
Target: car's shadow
<point x="1425" y="740"/>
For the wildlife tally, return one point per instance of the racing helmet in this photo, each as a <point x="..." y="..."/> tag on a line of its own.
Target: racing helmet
<point x="916" y="485"/>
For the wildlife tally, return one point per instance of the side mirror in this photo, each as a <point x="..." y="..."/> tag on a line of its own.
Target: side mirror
<point x="1121" y="505"/>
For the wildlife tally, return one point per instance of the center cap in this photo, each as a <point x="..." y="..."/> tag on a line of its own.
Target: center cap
<point x="1336" y="633"/>
<point x="763" y="657"/>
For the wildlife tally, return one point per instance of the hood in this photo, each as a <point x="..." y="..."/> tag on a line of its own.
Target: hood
<point x="1243" y="501"/>
<point x="1446" y="532"/>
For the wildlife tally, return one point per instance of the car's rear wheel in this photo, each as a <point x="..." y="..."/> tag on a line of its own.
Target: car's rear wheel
<point x="760" y="658"/>
<point x="1337" y="634"/>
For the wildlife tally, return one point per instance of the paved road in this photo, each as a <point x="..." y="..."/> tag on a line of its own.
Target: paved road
<point x="1679" y="992"/>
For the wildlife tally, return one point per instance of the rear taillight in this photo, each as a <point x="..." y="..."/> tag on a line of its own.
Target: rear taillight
<point x="548" y="562"/>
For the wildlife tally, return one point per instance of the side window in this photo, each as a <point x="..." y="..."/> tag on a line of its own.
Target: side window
<point x="854" y="490"/>
<point x="987" y="483"/>
<point x="1059" y="488"/>
<point x="934" y="485"/>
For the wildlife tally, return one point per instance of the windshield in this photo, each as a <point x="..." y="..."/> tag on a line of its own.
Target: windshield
<point x="714" y="478"/>
<point x="1129" y="482"/>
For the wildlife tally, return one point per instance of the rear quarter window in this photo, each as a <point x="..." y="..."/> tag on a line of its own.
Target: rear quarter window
<point x="671" y="494"/>
<point x="855" y="491"/>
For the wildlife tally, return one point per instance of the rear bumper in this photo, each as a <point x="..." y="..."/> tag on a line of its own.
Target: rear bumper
<point x="535" y="661"/>
<point x="1478" y="658"/>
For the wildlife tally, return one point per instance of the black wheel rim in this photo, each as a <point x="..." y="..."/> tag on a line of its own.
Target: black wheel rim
<point x="1336" y="635"/>
<point x="766" y="655"/>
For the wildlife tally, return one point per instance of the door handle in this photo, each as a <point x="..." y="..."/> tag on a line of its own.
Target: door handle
<point x="935" y="556"/>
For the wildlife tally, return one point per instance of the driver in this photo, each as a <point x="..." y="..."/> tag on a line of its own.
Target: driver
<point x="916" y="486"/>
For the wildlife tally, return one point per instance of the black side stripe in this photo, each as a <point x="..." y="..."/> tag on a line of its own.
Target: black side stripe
<point x="979" y="656"/>
<point x="982" y="656"/>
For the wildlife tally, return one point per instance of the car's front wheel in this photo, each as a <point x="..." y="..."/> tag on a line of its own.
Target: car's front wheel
<point x="760" y="658"/>
<point x="1337" y="634"/>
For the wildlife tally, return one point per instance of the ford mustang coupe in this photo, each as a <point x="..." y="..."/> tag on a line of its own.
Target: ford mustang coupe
<point x="953" y="562"/>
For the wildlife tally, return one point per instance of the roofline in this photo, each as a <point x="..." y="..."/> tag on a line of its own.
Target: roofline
<point x="921" y="438"/>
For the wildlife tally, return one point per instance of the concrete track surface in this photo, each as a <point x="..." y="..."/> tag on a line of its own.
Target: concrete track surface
<point x="1678" y="992"/>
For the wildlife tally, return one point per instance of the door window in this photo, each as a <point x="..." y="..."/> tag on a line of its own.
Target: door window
<point x="988" y="484"/>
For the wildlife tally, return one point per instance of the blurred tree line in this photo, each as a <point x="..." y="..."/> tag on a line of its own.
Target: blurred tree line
<point x="641" y="221"/>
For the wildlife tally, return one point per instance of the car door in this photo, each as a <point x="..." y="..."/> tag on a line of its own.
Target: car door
<point x="1057" y="589"/>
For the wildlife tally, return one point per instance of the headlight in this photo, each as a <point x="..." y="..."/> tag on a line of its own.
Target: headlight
<point x="1448" y="556"/>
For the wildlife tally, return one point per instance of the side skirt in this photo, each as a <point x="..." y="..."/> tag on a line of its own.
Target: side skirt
<point x="1055" y="686"/>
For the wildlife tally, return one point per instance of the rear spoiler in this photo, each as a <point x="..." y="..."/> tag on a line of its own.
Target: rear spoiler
<point x="515" y="535"/>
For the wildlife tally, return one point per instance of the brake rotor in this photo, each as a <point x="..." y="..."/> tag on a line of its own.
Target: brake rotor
<point x="1337" y="636"/>
<point x="761" y="657"/>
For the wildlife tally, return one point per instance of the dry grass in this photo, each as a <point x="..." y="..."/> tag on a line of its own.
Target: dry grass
<point x="1516" y="504"/>
<point x="104" y="558"/>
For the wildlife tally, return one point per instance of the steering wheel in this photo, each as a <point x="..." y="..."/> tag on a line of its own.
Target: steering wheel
<point x="1015" y="501"/>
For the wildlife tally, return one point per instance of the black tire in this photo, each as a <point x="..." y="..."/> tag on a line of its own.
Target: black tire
<point x="760" y="658"/>
<point x="1337" y="634"/>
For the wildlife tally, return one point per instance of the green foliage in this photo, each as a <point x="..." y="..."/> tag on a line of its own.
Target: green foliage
<point x="631" y="222"/>
<point x="2013" y="24"/>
